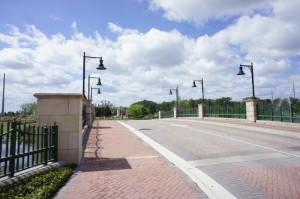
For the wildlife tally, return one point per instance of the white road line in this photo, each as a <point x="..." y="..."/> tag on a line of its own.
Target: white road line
<point x="234" y="159"/>
<point x="209" y="186"/>
<point x="241" y="141"/>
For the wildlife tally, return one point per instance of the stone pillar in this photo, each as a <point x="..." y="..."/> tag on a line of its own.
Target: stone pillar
<point x="89" y="107"/>
<point x="118" y="112"/>
<point x="251" y="110"/>
<point x="159" y="114"/>
<point x="66" y="110"/>
<point x="201" y="111"/>
<point x="175" y="112"/>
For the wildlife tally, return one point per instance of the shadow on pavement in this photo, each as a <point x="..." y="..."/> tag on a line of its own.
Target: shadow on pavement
<point x="104" y="164"/>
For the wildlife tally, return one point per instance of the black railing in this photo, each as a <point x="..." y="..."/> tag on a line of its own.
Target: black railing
<point x="280" y="113"/>
<point x="83" y="116"/>
<point x="25" y="145"/>
<point x="238" y="112"/>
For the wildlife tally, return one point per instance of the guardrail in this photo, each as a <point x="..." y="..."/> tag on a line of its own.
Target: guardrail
<point x="283" y="113"/>
<point x="25" y="145"/>
<point x="238" y="112"/>
<point x="189" y="112"/>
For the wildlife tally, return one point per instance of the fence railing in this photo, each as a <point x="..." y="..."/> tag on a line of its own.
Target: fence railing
<point x="83" y="116"/>
<point x="190" y="112"/>
<point x="25" y="145"/>
<point x="167" y="114"/>
<point x="282" y="113"/>
<point x="238" y="112"/>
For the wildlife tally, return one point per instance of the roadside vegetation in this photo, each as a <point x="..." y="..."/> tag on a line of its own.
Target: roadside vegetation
<point x="41" y="186"/>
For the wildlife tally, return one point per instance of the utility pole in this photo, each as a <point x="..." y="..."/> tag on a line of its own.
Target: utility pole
<point x="272" y="96"/>
<point x="294" y="90"/>
<point x="2" y="113"/>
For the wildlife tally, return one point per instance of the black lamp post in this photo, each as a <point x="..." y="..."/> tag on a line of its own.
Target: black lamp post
<point x="241" y="72"/>
<point x="194" y="85"/>
<point x="98" y="84"/>
<point x="99" y="92"/>
<point x="176" y="89"/>
<point x="2" y="112"/>
<point x="100" y="67"/>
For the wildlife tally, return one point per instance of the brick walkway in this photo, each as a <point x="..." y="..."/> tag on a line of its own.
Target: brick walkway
<point x="116" y="164"/>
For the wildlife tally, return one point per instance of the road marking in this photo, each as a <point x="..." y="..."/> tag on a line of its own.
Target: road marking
<point x="253" y="128"/>
<point x="241" y="141"/>
<point x="234" y="159"/>
<point x="208" y="185"/>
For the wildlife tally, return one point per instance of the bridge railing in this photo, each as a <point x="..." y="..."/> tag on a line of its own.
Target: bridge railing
<point x="167" y="114"/>
<point x="281" y="113"/>
<point x="25" y="145"/>
<point x="237" y="112"/>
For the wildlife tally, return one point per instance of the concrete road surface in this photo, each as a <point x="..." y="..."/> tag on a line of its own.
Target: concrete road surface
<point x="244" y="160"/>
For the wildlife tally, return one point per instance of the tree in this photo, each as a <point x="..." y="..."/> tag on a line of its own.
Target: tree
<point x="137" y="111"/>
<point x="27" y="109"/>
<point x="151" y="106"/>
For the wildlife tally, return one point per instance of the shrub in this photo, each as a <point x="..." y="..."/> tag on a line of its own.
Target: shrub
<point x="40" y="186"/>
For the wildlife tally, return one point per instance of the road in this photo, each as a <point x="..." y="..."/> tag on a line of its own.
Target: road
<point x="246" y="159"/>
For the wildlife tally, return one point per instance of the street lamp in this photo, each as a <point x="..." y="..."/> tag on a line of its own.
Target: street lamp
<point x="194" y="85"/>
<point x="2" y="112"/>
<point x="241" y="72"/>
<point x="100" y="67"/>
<point x="99" y="92"/>
<point x="98" y="84"/>
<point x="176" y="89"/>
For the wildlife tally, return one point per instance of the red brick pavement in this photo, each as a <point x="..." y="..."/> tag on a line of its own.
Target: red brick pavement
<point x="117" y="164"/>
<point x="278" y="182"/>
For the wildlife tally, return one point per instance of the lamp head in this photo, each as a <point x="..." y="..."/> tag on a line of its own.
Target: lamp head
<point x="99" y="92"/>
<point x="194" y="84"/>
<point x="101" y="66"/>
<point x="241" y="72"/>
<point x="170" y="92"/>
<point x="99" y="82"/>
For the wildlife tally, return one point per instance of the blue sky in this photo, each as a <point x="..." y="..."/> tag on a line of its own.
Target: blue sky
<point x="148" y="47"/>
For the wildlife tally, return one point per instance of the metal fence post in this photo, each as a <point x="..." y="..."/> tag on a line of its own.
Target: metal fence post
<point x="55" y="141"/>
<point x="12" y="150"/>
<point x="45" y="147"/>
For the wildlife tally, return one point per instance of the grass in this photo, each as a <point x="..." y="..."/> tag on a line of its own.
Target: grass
<point x="40" y="186"/>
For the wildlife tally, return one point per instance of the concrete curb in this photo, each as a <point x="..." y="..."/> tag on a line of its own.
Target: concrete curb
<point x="30" y="172"/>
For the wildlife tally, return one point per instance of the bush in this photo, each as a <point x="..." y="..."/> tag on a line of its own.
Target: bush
<point x="40" y="186"/>
<point x="137" y="111"/>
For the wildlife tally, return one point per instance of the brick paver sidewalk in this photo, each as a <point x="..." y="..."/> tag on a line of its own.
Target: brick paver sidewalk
<point x="117" y="164"/>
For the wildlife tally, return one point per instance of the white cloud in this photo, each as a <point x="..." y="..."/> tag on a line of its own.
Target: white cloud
<point x="202" y="11"/>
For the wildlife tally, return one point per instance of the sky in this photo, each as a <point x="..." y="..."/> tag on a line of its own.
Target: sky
<point x="148" y="48"/>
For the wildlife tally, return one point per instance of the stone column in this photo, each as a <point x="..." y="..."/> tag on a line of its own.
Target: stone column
<point x="88" y="103"/>
<point x="159" y="114"/>
<point x="201" y="111"/>
<point x="118" y="112"/>
<point x="66" y="110"/>
<point x="251" y="110"/>
<point x="175" y="112"/>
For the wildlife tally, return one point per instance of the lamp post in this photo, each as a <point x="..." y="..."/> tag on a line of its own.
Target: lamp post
<point x="241" y="72"/>
<point x="98" y="84"/>
<point x="176" y="89"/>
<point x="99" y="92"/>
<point x="194" y="85"/>
<point x="2" y="113"/>
<point x="100" y="67"/>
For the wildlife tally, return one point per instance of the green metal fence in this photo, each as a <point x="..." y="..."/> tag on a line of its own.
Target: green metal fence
<point x="25" y="145"/>
<point x="83" y="116"/>
<point x="167" y="114"/>
<point x="238" y="112"/>
<point x="190" y="112"/>
<point x="280" y="113"/>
